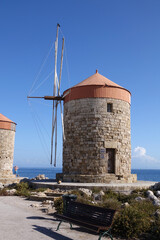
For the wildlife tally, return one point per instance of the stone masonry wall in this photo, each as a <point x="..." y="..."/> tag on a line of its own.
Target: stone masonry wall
<point x="89" y="130"/>
<point x="6" y="152"/>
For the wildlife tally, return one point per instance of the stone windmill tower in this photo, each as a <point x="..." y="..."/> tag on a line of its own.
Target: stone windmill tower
<point x="7" y="135"/>
<point x="97" y="146"/>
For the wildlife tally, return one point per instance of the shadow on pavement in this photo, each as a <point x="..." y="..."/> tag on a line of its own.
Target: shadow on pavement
<point x="50" y="233"/>
<point x="84" y="230"/>
<point x="42" y="218"/>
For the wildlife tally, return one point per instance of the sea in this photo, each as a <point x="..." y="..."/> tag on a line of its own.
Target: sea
<point x="142" y="174"/>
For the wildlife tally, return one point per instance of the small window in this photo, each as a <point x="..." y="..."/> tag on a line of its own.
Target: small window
<point x="109" y="107"/>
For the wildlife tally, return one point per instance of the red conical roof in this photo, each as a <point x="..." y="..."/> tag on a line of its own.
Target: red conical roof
<point x="6" y="123"/>
<point x="4" y="119"/>
<point x="97" y="86"/>
<point x="98" y="80"/>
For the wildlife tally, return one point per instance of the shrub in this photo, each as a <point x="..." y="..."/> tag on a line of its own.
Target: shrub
<point x="126" y="198"/>
<point x="96" y="189"/>
<point x="111" y="204"/>
<point x="82" y="197"/>
<point x="58" y="204"/>
<point x="23" y="189"/>
<point x="3" y="192"/>
<point x="155" y="230"/>
<point x="140" y="192"/>
<point x="40" y="189"/>
<point x="85" y="201"/>
<point x="79" y="194"/>
<point x="145" y="206"/>
<point x="119" y="196"/>
<point x="110" y="194"/>
<point x="134" y="220"/>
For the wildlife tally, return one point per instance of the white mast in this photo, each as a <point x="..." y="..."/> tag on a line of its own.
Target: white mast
<point x="54" y="90"/>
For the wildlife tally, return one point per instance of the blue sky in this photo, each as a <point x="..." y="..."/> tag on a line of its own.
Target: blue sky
<point x="119" y="38"/>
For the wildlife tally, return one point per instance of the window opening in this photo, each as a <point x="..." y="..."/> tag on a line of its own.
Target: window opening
<point x="109" y="107"/>
<point x="110" y="154"/>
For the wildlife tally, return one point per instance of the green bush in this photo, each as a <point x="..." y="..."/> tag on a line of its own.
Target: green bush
<point x="134" y="220"/>
<point x="58" y="204"/>
<point x="126" y="198"/>
<point x="155" y="230"/>
<point x="119" y="196"/>
<point x="140" y="192"/>
<point x="96" y="189"/>
<point x="79" y="194"/>
<point x="40" y="189"/>
<point x="82" y="197"/>
<point x="145" y="206"/>
<point x="111" y="204"/>
<point x="3" y="192"/>
<point x="110" y="194"/>
<point x="23" y="189"/>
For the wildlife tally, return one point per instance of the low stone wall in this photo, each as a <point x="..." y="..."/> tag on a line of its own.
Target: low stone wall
<point x="116" y="187"/>
<point x="105" y="178"/>
<point x="9" y="181"/>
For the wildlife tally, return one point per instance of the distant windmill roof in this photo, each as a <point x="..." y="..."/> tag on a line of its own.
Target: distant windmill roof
<point x="6" y="123"/>
<point x="4" y="119"/>
<point x="97" y="79"/>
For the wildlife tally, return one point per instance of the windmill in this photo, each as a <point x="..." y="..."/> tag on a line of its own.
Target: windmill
<point x="56" y="98"/>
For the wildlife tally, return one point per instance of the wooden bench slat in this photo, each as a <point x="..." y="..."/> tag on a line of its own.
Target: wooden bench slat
<point x="79" y="210"/>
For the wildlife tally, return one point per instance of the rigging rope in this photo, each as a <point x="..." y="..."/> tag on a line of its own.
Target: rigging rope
<point x="37" y="76"/>
<point x="37" y="122"/>
<point x="43" y="81"/>
<point x="44" y="103"/>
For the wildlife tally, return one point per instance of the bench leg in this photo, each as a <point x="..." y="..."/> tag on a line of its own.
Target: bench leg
<point x="70" y="225"/>
<point x="105" y="233"/>
<point x="60" y="224"/>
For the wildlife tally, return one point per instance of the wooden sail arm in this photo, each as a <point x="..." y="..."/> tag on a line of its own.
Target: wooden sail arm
<point x="34" y="97"/>
<point x="58" y="98"/>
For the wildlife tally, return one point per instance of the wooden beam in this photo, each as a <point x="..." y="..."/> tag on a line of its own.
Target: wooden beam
<point x="59" y="98"/>
<point x="34" y="97"/>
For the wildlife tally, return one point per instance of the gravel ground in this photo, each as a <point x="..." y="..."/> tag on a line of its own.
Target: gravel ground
<point x="20" y="221"/>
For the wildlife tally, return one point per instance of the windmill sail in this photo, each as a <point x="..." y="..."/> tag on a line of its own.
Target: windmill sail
<point x="56" y="98"/>
<point x="55" y="104"/>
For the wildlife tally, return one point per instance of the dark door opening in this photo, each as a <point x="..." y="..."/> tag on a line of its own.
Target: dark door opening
<point x="110" y="153"/>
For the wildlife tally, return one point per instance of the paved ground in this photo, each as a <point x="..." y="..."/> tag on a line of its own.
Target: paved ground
<point x="20" y="221"/>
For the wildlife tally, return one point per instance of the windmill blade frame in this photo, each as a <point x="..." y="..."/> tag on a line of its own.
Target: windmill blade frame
<point x="56" y="90"/>
<point x="56" y="98"/>
<point x="60" y="74"/>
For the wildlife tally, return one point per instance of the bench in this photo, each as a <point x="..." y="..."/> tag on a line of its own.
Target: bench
<point x="93" y="218"/>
